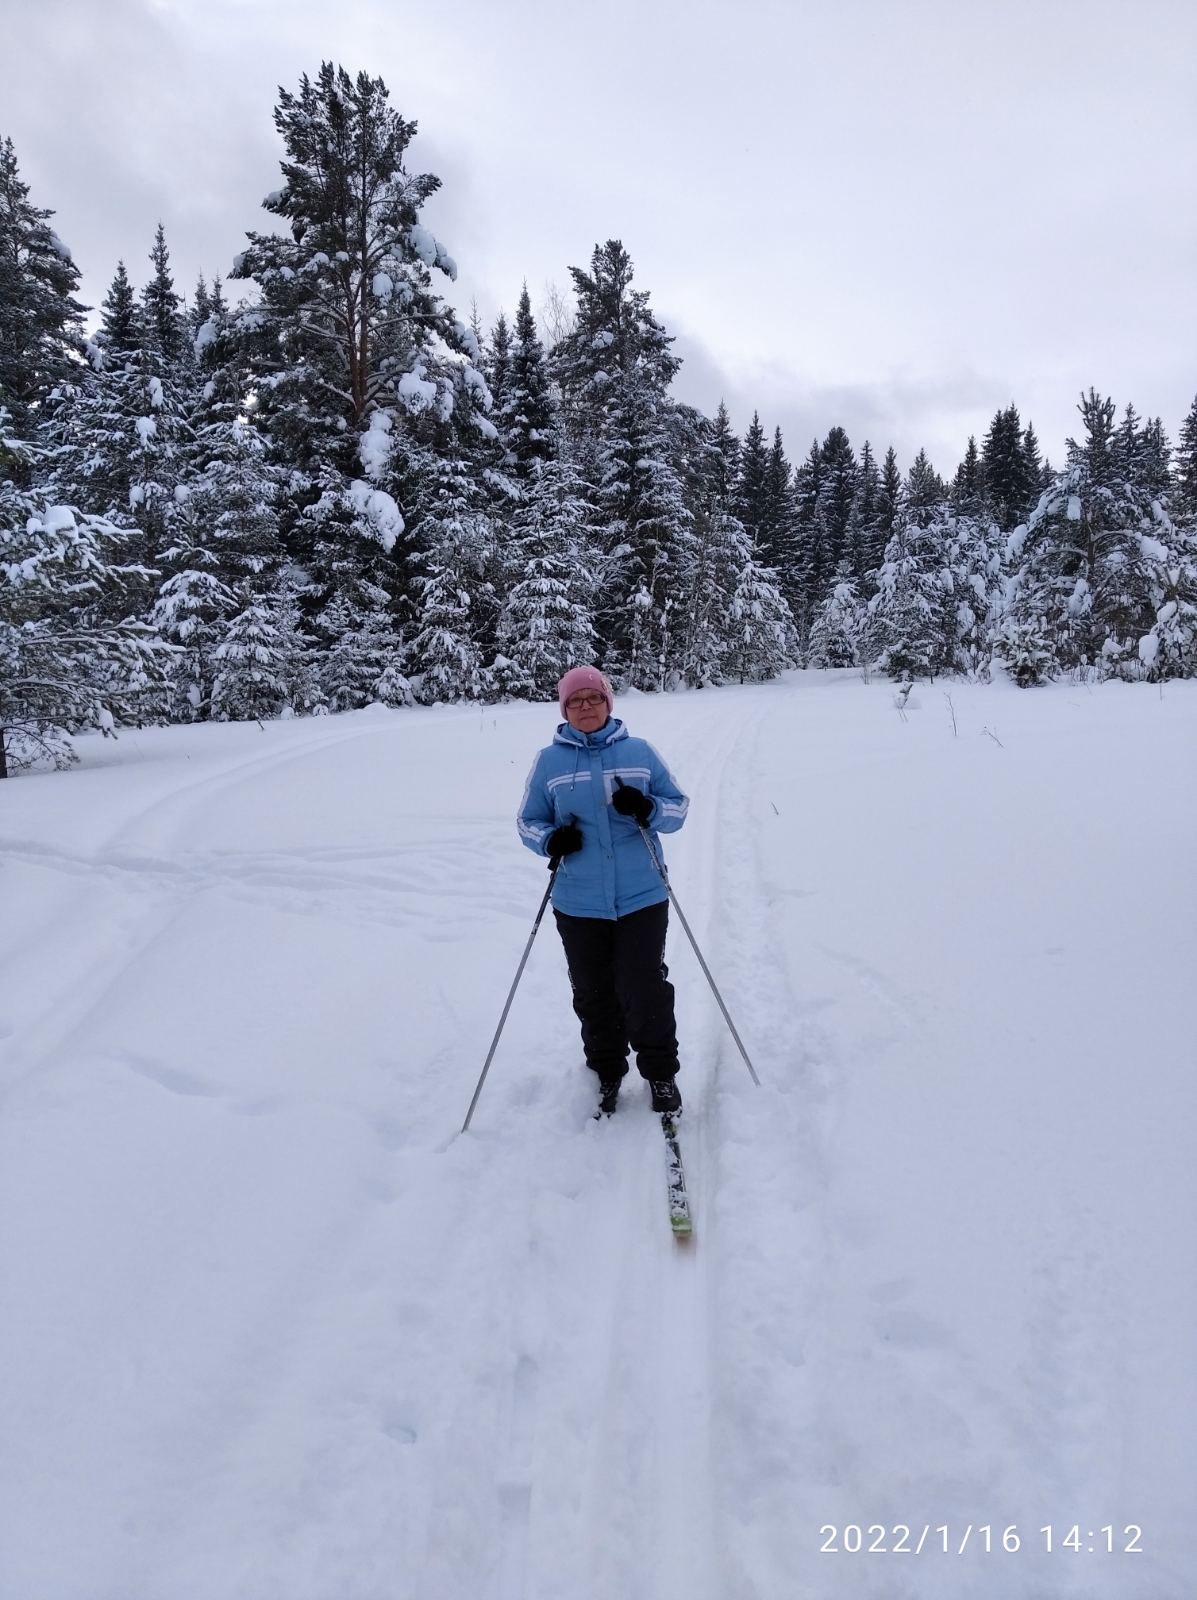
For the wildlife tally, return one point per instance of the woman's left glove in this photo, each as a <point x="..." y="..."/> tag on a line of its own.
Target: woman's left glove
<point x="632" y="803"/>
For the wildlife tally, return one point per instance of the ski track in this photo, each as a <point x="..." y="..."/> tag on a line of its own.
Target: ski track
<point x="642" y="1383"/>
<point x="105" y="939"/>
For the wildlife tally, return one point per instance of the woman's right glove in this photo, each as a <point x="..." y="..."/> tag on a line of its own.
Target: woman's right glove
<point x="563" y="841"/>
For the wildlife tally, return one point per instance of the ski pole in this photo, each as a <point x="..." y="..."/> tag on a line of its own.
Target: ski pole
<point x="660" y="866"/>
<point x="518" y="975"/>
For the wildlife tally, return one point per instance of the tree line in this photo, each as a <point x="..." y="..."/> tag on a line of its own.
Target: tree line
<point x="320" y="487"/>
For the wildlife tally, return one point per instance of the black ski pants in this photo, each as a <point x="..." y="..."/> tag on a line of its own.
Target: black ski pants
<point x="622" y="993"/>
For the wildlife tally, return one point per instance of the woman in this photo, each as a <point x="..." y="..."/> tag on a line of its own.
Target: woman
<point x="594" y="796"/>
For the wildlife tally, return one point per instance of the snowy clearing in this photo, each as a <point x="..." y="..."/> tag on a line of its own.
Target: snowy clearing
<point x="270" y="1332"/>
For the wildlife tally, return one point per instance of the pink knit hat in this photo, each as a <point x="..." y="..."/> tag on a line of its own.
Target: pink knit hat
<point x="585" y="678"/>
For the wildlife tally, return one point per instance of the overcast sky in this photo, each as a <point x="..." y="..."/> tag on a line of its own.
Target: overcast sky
<point x="896" y="215"/>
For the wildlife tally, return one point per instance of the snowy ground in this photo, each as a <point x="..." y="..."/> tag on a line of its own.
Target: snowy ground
<point x="269" y="1334"/>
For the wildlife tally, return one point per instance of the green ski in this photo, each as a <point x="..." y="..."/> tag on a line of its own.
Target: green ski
<point x="679" y="1202"/>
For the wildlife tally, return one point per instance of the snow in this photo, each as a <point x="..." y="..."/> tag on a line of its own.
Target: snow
<point x="476" y="384"/>
<point x="430" y="250"/>
<point x="146" y="429"/>
<point x="465" y="337"/>
<point x="383" y="286"/>
<point x="271" y="1330"/>
<point x="380" y="510"/>
<point x="415" y="391"/>
<point x="57" y="519"/>
<point x="156" y="396"/>
<point x="377" y="444"/>
<point x="1074" y="508"/>
<point x="1153" y="549"/>
<point x="423" y="244"/>
<point x="205" y="335"/>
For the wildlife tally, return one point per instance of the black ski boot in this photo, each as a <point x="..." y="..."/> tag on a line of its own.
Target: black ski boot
<point x="608" y="1096"/>
<point x="665" y="1095"/>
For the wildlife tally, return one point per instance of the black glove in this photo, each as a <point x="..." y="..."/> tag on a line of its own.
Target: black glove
<point x="563" y="841"/>
<point x="632" y="803"/>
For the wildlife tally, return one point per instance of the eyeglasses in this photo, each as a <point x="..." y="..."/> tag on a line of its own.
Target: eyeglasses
<point x="583" y="702"/>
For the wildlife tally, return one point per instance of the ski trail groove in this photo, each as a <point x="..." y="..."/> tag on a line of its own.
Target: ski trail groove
<point x="651" y="1469"/>
<point x="515" y="1483"/>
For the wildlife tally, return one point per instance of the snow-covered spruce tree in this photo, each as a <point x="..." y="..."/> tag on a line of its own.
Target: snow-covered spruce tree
<point x="497" y="369"/>
<point x="41" y="322"/>
<point x="190" y="612"/>
<point x="527" y="411"/>
<point x="163" y="322"/>
<point x="910" y="631"/>
<point x="223" y="542"/>
<point x="116" y="432"/>
<point x="232" y="489"/>
<point x="751" y="507"/>
<point x="445" y="659"/>
<point x="362" y="661"/>
<point x="862" y="522"/>
<point x="347" y="327"/>
<point x="839" y="621"/>
<point x="806" y="581"/>
<point x="889" y="503"/>
<point x="199" y="308"/>
<point x="1009" y="489"/>
<point x="1142" y="455"/>
<point x="91" y="432"/>
<point x="717" y="549"/>
<point x="546" y="624"/>
<point x="220" y="538"/>
<point x="468" y="461"/>
<point x="1037" y="471"/>
<point x="761" y="637"/>
<point x="837" y="491"/>
<point x="454" y="595"/>
<point x="1186" y="466"/>
<point x="776" y="543"/>
<point x="718" y="554"/>
<point x="255" y="662"/>
<point x="904" y="631"/>
<point x="1169" y="647"/>
<point x="641" y="503"/>
<point x="1087" y="564"/>
<point x="1025" y="646"/>
<point x="614" y="370"/>
<point x="975" y="580"/>
<point x="968" y="486"/>
<point x="64" y="664"/>
<point x="722" y="462"/>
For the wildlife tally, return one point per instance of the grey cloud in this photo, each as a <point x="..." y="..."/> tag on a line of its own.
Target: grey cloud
<point x="911" y="413"/>
<point x="922" y="212"/>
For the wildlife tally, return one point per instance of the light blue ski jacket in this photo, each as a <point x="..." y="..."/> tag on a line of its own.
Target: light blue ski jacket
<point x="573" y="779"/>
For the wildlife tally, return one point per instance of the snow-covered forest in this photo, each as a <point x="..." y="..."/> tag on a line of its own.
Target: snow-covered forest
<point x="318" y="485"/>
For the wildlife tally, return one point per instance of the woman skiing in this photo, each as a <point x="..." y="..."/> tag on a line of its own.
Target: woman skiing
<point x="592" y="798"/>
